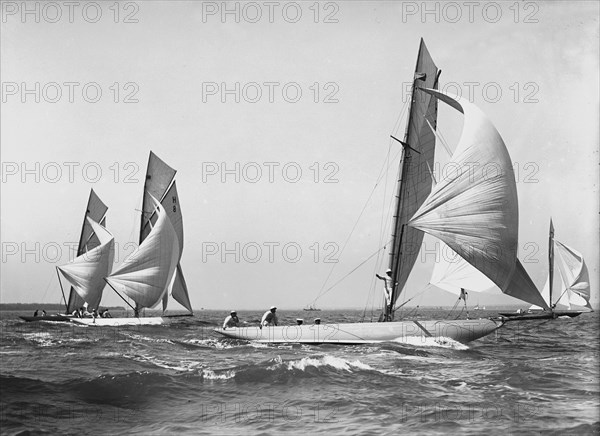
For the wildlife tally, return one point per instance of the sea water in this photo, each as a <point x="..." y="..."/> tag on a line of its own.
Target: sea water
<point x="528" y="377"/>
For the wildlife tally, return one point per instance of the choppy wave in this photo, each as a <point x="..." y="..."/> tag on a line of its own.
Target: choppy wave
<point x="531" y="377"/>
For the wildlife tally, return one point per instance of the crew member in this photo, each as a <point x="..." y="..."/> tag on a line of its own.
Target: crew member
<point x="270" y="317"/>
<point x="232" y="320"/>
<point x="387" y="286"/>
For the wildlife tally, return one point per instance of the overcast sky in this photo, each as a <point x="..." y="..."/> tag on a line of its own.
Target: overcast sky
<point x="319" y="89"/>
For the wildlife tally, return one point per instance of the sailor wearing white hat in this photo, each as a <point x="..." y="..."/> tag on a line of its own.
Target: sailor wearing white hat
<point x="269" y="318"/>
<point x="232" y="320"/>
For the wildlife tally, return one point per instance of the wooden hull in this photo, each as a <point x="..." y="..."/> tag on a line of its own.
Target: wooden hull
<point x="364" y="333"/>
<point x="54" y="318"/>
<point x="514" y="316"/>
<point x="116" y="322"/>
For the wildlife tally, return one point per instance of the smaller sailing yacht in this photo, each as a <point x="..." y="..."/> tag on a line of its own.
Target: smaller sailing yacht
<point x="153" y="270"/>
<point x="145" y="274"/>
<point x="94" y="260"/>
<point x="573" y="280"/>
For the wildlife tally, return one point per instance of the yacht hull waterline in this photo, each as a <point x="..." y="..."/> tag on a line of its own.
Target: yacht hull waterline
<point x="116" y="322"/>
<point x="50" y="318"/>
<point x="462" y="331"/>
<point x="513" y="316"/>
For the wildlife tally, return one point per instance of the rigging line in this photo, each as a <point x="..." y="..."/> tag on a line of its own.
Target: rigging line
<point x="385" y="217"/>
<point x="383" y="171"/>
<point x="391" y="199"/>
<point x="400" y="117"/>
<point x="379" y="177"/>
<point x="351" y="271"/>
<point x="439" y="136"/>
<point x="418" y="294"/>
<point x="561" y="295"/>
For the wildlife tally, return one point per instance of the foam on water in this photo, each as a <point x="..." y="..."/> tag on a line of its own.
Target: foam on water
<point x="209" y="374"/>
<point x="442" y="342"/>
<point x="322" y="361"/>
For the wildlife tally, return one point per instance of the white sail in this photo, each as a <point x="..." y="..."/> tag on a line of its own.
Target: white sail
<point x="160" y="184"/>
<point x="159" y="176"/>
<point x="88" y="240"/>
<point x="452" y="273"/>
<point x="574" y="273"/>
<point x="148" y="271"/>
<point x="562" y="303"/>
<point x="86" y="272"/>
<point x="475" y="212"/>
<point x="179" y="289"/>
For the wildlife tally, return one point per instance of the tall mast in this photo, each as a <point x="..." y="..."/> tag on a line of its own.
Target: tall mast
<point x="550" y="263"/>
<point x="414" y="184"/>
<point x="96" y="210"/>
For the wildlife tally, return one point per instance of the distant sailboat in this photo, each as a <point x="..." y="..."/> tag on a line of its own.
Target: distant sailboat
<point x="312" y="308"/>
<point x="573" y="285"/>
<point x="474" y="214"/>
<point x="94" y="258"/>
<point x="148" y="274"/>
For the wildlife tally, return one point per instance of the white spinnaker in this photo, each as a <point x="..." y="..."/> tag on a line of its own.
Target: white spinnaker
<point x="86" y="272"/>
<point x="146" y="274"/>
<point x="575" y="274"/>
<point x="475" y="211"/>
<point x="451" y="273"/>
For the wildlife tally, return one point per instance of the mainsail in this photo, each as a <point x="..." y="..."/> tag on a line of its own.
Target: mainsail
<point x="86" y="272"/>
<point x="96" y="210"/>
<point x="147" y="273"/>
<point x="160" y="184"/>
<point x="475" y="211"/>
<point x="415" y="178"/>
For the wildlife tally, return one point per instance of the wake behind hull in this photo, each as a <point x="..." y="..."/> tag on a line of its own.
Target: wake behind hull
<point x="116" y="322"/>
<point x="363" y="333"/>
